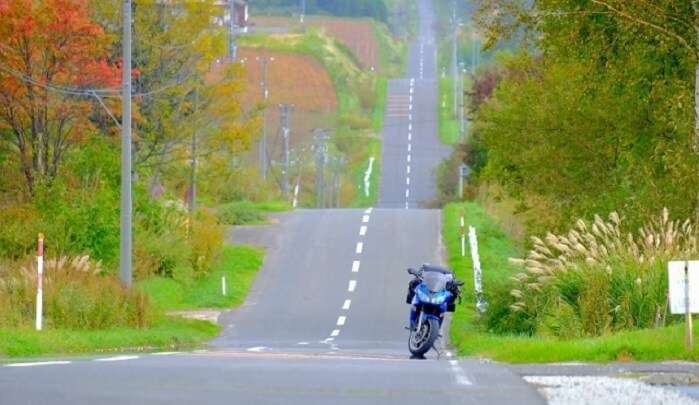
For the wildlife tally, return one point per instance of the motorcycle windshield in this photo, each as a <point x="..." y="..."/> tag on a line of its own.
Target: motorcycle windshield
<point x="435" y="281"/>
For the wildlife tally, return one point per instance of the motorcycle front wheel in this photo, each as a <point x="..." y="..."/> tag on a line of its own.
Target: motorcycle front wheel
<point x="421" y="341"/>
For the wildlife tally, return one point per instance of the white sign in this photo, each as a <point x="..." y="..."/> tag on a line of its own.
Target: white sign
<point x="677" y="285"/>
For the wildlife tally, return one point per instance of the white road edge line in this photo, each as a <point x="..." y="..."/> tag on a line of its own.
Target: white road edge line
<point x="352" y="285"/>
<point x="164" y="353"/>
<point x="360" y="247"/>
<point x="341" y="320"/>
<point x="38" y="363"/>
<point x="346" y="304"/>
<point x="355" y="266"/>
<point x="117" y="358"/>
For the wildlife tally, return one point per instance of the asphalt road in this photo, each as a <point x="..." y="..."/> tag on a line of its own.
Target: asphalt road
<point x="324" y="322"/>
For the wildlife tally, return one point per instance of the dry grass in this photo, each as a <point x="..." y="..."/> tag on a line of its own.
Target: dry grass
<point x="77" y="295"/>
<point x="599" y="277"/>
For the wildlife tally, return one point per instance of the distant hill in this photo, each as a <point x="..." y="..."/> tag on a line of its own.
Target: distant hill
<point x="356" y="8"/>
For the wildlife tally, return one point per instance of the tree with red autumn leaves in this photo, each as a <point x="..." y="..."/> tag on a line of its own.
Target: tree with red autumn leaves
<point x="51" y="54"/>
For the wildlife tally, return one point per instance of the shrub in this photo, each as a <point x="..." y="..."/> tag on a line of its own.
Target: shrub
<point x="207" y="242"/>
<point x="77" y="295"/>
<point x="597" y="278"/>
<point x="240" y="213"/>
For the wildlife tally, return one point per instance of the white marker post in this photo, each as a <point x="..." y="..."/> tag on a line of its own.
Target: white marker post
<point x="40" y="283"/>
<point x="683" y="283"/>
<point x="296" y="192"/>
<point x="223" y="285"/>
<point x="481" y="305"/>
<point x="463" y="235"/>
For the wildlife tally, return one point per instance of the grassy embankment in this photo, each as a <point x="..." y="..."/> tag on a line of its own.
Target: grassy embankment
<point x="238" y="263"/>
<point x="471" y="340"/>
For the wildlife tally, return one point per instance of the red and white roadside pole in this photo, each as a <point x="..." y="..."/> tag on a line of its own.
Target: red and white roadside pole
<point x="40" y="282"/>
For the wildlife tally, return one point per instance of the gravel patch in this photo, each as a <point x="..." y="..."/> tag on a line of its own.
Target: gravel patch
<point x="605" y="390"/>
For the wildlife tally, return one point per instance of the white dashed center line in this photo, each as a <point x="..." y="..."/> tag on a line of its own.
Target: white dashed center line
<point x="407" y="193"/>
<point x="355" y="266"/>
<point x="362" y="230"/>
<point x="341" y="320"/>
<point x="407" y="169"/>
<point x="410" y="147"/>
<point x="360" y="247"/>
<point x="352" y="285"/>
<point x="407" y="181"/>
<point x="335" y="332"/>
<point x="365" y="218"/>
<point x="408" y="158"/>
<point x="346" y="305"/>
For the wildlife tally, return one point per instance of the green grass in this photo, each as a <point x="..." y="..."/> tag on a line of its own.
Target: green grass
<point x="249" y="213"/>
<point x="470" y="340"/>
<point x="239" y="264"/>
<point x="167" y="333"/>
<point x="448" y="124"/>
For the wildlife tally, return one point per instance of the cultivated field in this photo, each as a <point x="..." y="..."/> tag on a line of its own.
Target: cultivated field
<point x="355" y="34"/>
<point x="294" y="79"/>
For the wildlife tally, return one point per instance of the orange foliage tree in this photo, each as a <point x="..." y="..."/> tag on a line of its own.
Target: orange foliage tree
<point x="51" y="53"/>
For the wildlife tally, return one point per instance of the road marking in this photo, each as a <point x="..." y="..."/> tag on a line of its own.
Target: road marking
<point x="347" y="304"/>
<point x="335" y="332"/>
<point x="410" y="147"/>
<point x="410" y="136"/>
<point x="341" y="320"/>
<point x="410" y="127"/>
<point x="411" y="98"/>
<point x="459" y="374"/>
<point x="352" y="285"/>
<point x="362" y="230"/>
<point x="365" y="218"/>
<point x="410" y="107"/>
<point x="302" y="343"/>
<point x="39" y="363"/>
<point x="117" y="358"/>
<point x="360" y="247"/>
<point x="408" y="158"/>
<point x="406" y="205"/>
<point x="200" y="351"/>
<point x="407" y="169"/>
<point x="327" y="340"/>
<point x="407" y="181"/>
<point x="368" y="210"/>
<point x="165" y="353"/>
<point x="407" y="192"/>
<point x="355" y="266"/>
<point x="410" y="117"/>
<point x="257" y="349"/>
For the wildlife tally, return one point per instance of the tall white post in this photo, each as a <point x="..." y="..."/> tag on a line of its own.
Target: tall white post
<point x="126" y="240"/>
<point x="477" y="273"/>
<point x="40" y="283"/>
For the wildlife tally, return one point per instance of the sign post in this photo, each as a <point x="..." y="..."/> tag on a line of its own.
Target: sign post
<point x="683" y="278"/>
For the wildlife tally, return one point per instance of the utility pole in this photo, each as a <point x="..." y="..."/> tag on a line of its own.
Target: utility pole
<point x="321" y="150"/>
<point x="125" y="237"/>
<point x="455" y="57"/>
<point x="338" y="164"/>
<point x="264" y="61"/>
<point x="303" y="10"/>
<point x="285" y="111"/>
<point x="232" y="48"/>
<point x="462" y="102"/>
<point x="193" y="169"/>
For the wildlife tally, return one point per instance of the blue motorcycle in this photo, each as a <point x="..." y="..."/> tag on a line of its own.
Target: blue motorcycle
<point x="431" y="293"/>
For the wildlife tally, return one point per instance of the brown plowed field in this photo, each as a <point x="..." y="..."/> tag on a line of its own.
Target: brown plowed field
<point x="294" y="79"/>
<point x="356" y="34"/>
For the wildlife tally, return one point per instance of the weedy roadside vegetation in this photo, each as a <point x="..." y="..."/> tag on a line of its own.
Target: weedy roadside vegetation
<point x="595" y="293"/>
<point x="596" y="279"/>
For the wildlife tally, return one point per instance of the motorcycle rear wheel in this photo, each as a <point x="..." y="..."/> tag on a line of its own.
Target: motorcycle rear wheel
<point x="421" y="341"/>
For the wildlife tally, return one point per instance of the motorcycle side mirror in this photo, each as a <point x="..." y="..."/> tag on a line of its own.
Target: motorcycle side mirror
<point x="412" y="271"/>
